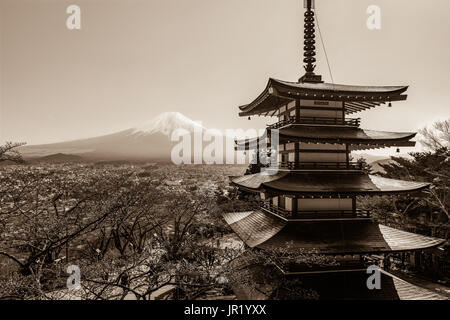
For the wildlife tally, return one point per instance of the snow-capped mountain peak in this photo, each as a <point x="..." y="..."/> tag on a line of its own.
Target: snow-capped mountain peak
<point x="166" y="123"/>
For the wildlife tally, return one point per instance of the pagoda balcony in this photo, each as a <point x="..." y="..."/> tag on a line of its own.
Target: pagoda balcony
<point x="282" y="123"/>
<point x="321" y="165"/>
<point x="350" y="122"/>
<point x="276" y="210"/>
<point x="312" y="215"/>
<point x="347" y="122"/>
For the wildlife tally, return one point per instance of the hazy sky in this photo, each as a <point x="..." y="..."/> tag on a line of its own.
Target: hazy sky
<point x="134" y="59"/>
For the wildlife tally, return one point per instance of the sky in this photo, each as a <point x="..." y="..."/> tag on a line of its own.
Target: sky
<point x="135" y="59"/>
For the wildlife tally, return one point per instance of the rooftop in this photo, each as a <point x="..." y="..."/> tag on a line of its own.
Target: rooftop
<point x="316" y="183"/>
<point x="266" y="231"/>
<point x="357" y="138"/>
<point x="356" y="98"/>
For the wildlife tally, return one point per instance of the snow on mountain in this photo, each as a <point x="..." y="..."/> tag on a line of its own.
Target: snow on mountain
<point x="151" y="140"/>
<point x="166" y="123"/>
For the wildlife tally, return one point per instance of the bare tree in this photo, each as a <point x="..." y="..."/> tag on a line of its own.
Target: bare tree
<point x="439" y="193"/>
<point x="8" y="152"/>
<point x="43" y="213"/>
<point x="183" y="210"/>
<point x="437" y="137"/>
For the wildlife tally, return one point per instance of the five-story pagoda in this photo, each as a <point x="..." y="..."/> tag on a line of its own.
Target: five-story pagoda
<point x="310" y="199"/>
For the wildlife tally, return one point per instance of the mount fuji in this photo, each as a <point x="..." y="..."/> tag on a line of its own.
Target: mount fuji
<point x="148" y="141"/>
<point x="166" y="123"/>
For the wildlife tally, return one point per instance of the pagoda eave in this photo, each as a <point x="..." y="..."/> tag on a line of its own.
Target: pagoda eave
<point x="338" y="135"/>
<point x="263" y="230"/>
<point x="356" y="98"/>
<point x="358" y="139"/>
<point x="320" y="184"/>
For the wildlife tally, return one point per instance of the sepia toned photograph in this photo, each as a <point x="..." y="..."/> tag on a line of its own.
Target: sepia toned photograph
<point x="220" y="155"/>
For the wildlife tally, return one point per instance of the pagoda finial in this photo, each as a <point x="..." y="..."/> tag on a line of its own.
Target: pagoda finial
<point x="309" y="42"/>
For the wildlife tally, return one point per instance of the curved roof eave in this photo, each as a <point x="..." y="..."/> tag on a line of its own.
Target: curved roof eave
<point x="322" y="134"/>
<point x="267" y="231"/>
<point x="319" y="183"/>
<point x="342" y="88"/>
<point x="344" y="135"/>
<point x="388" y="93"/>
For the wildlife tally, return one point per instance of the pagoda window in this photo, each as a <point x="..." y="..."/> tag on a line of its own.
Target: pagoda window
<point x="292" y="157"/>
<point x="290" y="146"/>
<point x="288" y="204"/>
<point x="282" y="202"/>
<point x="275" y="201"/>
<point x="321" y="104"/>
<point x="321" y="109"/>
<point x="323" y="157"/>
<point x="307" y="113"/>
<point x="334" y="204"/>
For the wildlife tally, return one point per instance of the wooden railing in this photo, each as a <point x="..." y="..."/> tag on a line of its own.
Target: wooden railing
<point x="277" y="210"/>
<point x="281" y="123"/>
<point x="321" y="165"/>
<point x="333" y="214"/>
<point x="323" y="214"/>
<point x="351" y="122"/>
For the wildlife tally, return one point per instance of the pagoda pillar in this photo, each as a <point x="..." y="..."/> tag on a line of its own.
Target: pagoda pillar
<point x="343" y="111"/>
<point x="294" y="206"/>
<point x="258" y="152"/>
<point x="354" y="205"/>
<point x="347" y="155"/>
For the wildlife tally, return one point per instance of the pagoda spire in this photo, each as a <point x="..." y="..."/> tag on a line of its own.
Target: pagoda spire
<point x="309" y="54"/>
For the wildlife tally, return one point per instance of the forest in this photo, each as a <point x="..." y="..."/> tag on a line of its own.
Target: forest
<point x="155" y="231"/>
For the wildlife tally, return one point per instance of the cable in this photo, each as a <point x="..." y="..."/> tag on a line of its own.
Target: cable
<point x="324" y="49"/>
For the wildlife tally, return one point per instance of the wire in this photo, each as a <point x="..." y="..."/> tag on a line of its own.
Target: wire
<point x="324" y="49"/>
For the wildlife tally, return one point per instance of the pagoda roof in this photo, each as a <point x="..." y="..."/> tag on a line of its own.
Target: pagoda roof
<point x="343" y="134"/>
<point x="350" y="285"/>
<point x="359" y="138"/>
<point x="357" y="98"/>
<point x="336" y="237"/>
<point x="312" y="183"/>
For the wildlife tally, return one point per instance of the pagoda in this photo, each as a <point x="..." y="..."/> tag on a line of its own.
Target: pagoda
<point x="309" y="199"/>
